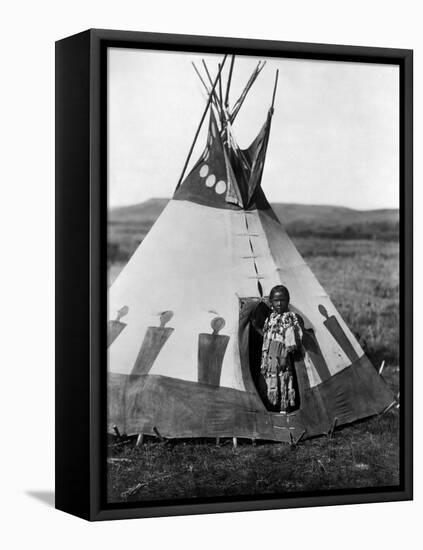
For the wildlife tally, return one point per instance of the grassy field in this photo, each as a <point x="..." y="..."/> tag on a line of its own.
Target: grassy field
<point x="362" y="278"/>
<point x="128" y="225"/>
<point x="364" y="454"/>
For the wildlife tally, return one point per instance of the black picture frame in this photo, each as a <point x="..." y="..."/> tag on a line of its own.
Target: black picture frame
<point x="81" y="279"/>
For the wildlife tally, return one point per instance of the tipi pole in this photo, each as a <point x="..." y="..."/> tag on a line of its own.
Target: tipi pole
<point x="220" y="87"/>
<point x="200" y="77"/>
<point x="207" y="72"/>
<point x="216" y="97"/>
<point x="204" y="84"/>
<point x="231" y="68"/>
<point x="275" y="87"/>
<point x="242" y="97"/>
<point x="244" y="92"/>
<point x="222" y="116"/>
<point x="199" y="126"/>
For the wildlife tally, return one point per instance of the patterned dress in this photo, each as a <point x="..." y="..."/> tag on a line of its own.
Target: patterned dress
<point x="282" y="336"/>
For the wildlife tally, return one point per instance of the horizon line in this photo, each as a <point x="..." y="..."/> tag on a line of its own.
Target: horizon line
<point x="110" y="207"/>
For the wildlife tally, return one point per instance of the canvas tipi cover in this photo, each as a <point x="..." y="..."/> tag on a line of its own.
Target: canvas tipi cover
<point x="182" y="352"/>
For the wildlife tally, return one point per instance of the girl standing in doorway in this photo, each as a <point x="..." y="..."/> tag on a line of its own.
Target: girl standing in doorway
<point x="282" y="336"/>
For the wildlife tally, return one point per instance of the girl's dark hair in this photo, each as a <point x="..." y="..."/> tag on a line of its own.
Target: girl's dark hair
<point x="279" y="288"/>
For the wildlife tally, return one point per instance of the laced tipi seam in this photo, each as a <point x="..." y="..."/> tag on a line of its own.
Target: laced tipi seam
<point x="253" y="252"/>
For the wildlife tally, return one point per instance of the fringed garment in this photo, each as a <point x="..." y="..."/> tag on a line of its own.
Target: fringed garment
<point x="282" y="337"/>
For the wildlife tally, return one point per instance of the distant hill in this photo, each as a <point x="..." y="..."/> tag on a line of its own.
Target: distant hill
<point x="302" y="220"/>
<point x="128" y="225"/>
<point x="135" y="213"/>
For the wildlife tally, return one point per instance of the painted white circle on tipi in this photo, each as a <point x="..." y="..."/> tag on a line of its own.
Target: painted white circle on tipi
<point x="211" y="180"/>
<point x="220" y="187"/>
<point x="204" y="170"/>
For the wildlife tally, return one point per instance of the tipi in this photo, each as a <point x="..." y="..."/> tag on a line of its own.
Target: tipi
<point x="181" y="348"/>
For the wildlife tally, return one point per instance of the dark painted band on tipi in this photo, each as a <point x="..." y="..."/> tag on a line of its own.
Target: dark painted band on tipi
<point x="115" y="327"/>
<point x="312" y="347"/>
<point x="335" y="329"/>
<point x="154" y="340"/>
<point x="180" y="408"/>
<point x="211" y="351"/>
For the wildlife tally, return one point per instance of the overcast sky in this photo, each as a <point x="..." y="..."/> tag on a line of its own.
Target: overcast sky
<point x="334" y="137"/>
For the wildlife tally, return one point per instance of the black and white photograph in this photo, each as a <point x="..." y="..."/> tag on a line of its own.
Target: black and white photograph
<point x="210" y="235"/>
<point x="253" y="276"/>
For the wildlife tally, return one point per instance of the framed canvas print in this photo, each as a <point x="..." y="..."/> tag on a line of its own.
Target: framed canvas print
<point x="234" y="274"/>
